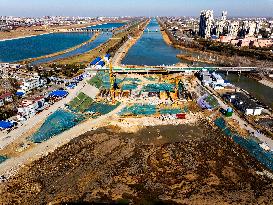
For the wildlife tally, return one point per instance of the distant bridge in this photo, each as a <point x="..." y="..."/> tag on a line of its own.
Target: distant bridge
<point x="174" y="69"/>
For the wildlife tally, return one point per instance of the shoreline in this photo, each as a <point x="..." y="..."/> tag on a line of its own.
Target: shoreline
<point x="22" y="37"/>
<point x="31" y="60"/>
<point x="32" y="33"/>
<point x="266" y="83"/>
<point x="123" y="50"/>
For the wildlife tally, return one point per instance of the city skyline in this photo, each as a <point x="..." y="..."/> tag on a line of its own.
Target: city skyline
<point x="135" y="8"/>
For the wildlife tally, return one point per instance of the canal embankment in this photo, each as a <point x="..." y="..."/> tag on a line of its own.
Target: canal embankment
<point x="151" y="49"/>
<point x="35" y="61"/>
<point x="123" y="50"/>
<point x="110" y="44"/>
<point x="20" y="33"/>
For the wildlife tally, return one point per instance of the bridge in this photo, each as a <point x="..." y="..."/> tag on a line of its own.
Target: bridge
<point x="174" y="69"/>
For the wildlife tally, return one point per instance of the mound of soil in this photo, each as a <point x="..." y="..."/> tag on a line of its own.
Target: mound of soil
<point x="167" y="164"/>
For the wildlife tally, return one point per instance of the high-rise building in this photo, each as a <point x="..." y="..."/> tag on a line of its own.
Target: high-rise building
<point x="233" y="28"/>
<point x="220" y="25"/>
<point x="206" y="23"/>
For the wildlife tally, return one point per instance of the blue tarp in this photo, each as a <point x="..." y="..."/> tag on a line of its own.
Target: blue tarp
<point x="107" y="55"/>
<point x="101" y="63"/>
<point x="58" y="93"/>
<point x="94" y="62"/>
<point x="20" y="94"/>
<point x="6" y="124"/>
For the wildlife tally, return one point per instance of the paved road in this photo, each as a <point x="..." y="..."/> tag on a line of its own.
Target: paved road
<point x="7" y="138"/>
<point x="10" y="166"/>
<point x="242" y="123"/>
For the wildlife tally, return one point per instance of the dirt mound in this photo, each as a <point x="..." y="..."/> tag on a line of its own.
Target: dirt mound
<point x="172" y="164"/>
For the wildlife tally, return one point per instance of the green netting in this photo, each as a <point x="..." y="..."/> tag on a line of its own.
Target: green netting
<point x="159" y="87"/>
<point x="139" y="109"/>
<point x="3" y="158"/>
<point x="129" y="86"/>
<point x="252" y="146"/>
<point x="220" y="122"/>
<point x="101" y="108"/>
<point x="170" y="111"/>
<point x="133" y="80"/>
<point x="254" y="149"/>
<point x="55" y="124"/>
<point x="80" y="103"/>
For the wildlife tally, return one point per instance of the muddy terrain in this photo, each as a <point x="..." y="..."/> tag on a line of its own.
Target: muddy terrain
<point x="182" y="164"/>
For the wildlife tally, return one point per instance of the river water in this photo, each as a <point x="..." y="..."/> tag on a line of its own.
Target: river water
<point x="36" y="46"/>
<point x="41" y="45"/>
<point x="263" y="93"/>
<point x="151" y="49"/>
<point x="85" y="48"/>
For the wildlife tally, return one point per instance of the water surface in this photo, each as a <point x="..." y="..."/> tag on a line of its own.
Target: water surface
<point x="261" y="92"/>
<point x="102" y="38"/>
<point x="151" y="49"/>
<point x="36" y="46"/>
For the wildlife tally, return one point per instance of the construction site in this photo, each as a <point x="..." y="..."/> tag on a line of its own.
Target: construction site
<point x="125" y="135"/>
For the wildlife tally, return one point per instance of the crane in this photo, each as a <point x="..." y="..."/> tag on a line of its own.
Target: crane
<point x="112" y="82"/>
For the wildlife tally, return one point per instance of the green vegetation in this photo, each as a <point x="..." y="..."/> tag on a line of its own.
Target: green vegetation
<point x="96" y="81"/>
<point x="81" y="103"/>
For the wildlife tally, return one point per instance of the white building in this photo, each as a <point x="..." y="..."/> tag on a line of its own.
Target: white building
<point x="27" y="109"/>
<point x="32" y="83"/>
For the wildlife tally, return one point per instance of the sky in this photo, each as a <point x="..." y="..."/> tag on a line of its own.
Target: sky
<point x="95" y="8"/>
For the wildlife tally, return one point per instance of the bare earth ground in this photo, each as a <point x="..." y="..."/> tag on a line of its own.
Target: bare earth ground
<point x="183" y="164"/>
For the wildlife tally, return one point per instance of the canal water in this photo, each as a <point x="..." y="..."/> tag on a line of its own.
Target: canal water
<point x="85" y="48"/>
<point x="151" y="49"/>
<point x="263" y="93"/>
<point x="36" y="46"/>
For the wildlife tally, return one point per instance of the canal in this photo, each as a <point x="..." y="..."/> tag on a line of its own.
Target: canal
<point x="36" y="46"/>
<point x="85" y="48"/>
<point x="151" y="49"/>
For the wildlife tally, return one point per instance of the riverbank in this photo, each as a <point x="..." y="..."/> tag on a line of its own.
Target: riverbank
<point x="123" y="50"/>
<point x="27" y="61"/>
<point x="193" y="59"/>
<point x="39" y="30"/>
<point x="165" y="36"/>
<point x="110" y="46"/>
<point x="266" y="83"/>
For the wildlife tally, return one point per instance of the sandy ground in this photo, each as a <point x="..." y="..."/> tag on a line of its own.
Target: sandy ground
<point x="185" y="164"/>
<point x="267" y="83"/>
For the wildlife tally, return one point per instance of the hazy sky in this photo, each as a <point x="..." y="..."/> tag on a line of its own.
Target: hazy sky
<point x="134" y="7"/>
